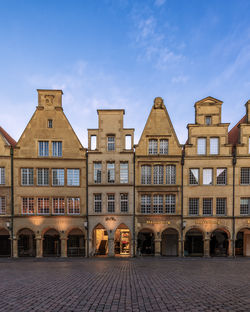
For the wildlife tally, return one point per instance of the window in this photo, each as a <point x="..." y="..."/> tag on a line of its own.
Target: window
<point x="111" y="202"/>
<point x="28" y="205"/>
<point x="73" y="205"/>
<point x="50" y="123"/>
<point x="193" y="176"/>
<point x="245" y="176"/>
<point x="153" y="147"/>
<point x="193" y="206"/>
<point x="42" y="176"/>
<point x="158" y="174"/>
<point x="93" y="142"/>
<point x="98" y="202"/>
<point x="158" y="204"/>
<point x="221" y="176"/>
<point x="73" y="177"/>
<point x="145" y="204"/>
<point x="249" y="145"/>
<point x="145" y="174"/>
<point x="27" y="176"/>
<point x="43" y="205"/>
<point x="170" y="174"/>
<point x="124" y="202"/>
<point x="2" y="205"/>
<point x="111" y="172"/>
<point x="2" y="176"/>
<point x="170" y="204"/>
<point x="57" y="149"/>
<point x="58" y="205"/>
<point x="208" y="120"/>
<point x="214" y="146"/>
<point x="245" y="206"/>
<point x="128" y="142"/>
<point x="97" y="172"/>
<point x="201" y="146"/>
<point x="164" y="146"/>
<point x="207" y="206"/>
<point x="57" y="177"/>
<point x="111" y="143"/>
<point x="207" y="176"/>
<point x="221" y="206"/>
<point x="123" y="172"/>
<point x="43" y="148"/>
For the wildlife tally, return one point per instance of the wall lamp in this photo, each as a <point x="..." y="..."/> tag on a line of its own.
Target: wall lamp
<point x="85" y="224"/>
<point x="8" y="225"/>
<point x="184" y="224"/>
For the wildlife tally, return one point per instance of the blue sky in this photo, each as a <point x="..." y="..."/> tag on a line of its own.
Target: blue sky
<point x="122" y="54"/>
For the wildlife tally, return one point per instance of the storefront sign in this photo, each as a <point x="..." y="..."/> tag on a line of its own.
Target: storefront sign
<point x="208" y="222"/>
<point x="157" y="222"/>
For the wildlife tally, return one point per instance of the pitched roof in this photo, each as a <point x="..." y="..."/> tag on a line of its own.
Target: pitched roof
<point x="7" y="137"/>
<point x="233" y="134"/>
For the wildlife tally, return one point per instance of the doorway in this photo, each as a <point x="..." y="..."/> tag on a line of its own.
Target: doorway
<point x="122" y="240"/>
<point x="219" y="244"/>
<point x="51" y="244"/>
<point x="26" y="243"/>
<point x="169" y="243"/>
<point x="146" y="242"/>
<point x="194" y="246"/>
<point x="100" y="241"/>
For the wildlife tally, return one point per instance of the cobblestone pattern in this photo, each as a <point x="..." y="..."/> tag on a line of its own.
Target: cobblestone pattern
<point x="144" y="284"/>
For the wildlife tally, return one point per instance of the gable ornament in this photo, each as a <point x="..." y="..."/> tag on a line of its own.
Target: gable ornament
<point x="158" y="103"/>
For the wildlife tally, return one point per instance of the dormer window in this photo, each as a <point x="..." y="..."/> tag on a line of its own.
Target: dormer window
<point x="153" y="147"/>
<point x="208" y="120"/>
<point x="111" y="143"/>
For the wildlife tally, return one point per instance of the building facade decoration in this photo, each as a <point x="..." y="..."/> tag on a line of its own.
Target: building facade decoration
<point x="119" y="199"/>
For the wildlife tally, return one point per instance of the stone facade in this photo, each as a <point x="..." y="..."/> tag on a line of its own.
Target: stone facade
<point x="110" y="185"/>
<point x="119" y="199"/>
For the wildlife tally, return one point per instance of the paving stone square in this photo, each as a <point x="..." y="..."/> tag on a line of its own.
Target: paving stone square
<point x="141" y="284"/>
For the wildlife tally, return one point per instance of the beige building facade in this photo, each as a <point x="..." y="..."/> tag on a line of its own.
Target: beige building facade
<point x="158" y="186"/>
<point x="110" y="186"/>
<point x="50" y="184"/>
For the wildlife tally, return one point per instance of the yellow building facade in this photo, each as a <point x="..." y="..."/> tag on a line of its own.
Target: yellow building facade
<point x="157" y="197"/>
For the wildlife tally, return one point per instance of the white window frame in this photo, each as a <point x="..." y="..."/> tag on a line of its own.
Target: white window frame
<point x="60" y="203"/>
<point x="28" y="174"/>
<point x="97" y="172"/>
<point x="123" y="172"/>
<point x="152" y="146"/>
<point x="59" y="176"/>
<point x="201" y="146"/>
<point x="145" y="204"/>
<point x="30" y="205"/>
<point x="194" y="176"/>
<point x="146" y="174"/>
<point x="158" y="204"/>
<point x="214" y="146"/>
<point x="220" y="210"/>
<point x="158" y="174"/>
<point x="207" y="207"/>
<point x="2" y="205"/>
<point x="74" y="180"/>
<point x="44" y="210"/>
<point x="73" y="205"/>
<point x="43" y="148"/>
<point x="111" y="143"/>
<point x="43" y="173"/>
<point x="57" y="148"/>
<point x="220" y="171"/>
<point x="98" y="203"/>
<point x="2" y="176"/>
<point x="207" y="173"/>
<point x="110" y="203"/>
<point x="124" y="202"/>
<point x="111" y="172"/>
<point x="170" y="203"/>
<point x="164" y="145"/>
<point x="193" y="206"/>
<point x="170" y="174"/>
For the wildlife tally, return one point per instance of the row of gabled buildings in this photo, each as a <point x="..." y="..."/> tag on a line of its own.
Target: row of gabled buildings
<point x="158" y="197"/>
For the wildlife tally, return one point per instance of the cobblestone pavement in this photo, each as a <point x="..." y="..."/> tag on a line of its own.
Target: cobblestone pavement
<point x="144" y="284"/>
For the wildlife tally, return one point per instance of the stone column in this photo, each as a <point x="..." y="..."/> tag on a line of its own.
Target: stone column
<point x="64" y="247"/>
<point x="206" y="242"/>
<point x="230" y="247"/>
<point x="157" y="246"/>
<point x="180" y="243"/>
<point x="39" y="247"/>
<point x="15" y="248"/>
<point x="111" y="252"/>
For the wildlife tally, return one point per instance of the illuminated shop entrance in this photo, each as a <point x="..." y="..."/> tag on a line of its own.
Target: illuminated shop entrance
<point x="5" y="245"/>
<point x="146" y="242"/>
<point x="193" y="246"/>
<point x="219" y="244"/>
<point x="76" y="243"/>
<point x="26" y="243"/>
<point x="100" y="241"/>
<point x="169" y="243"/>
<point x="51" y="244"/>
<point x="242" y="243"/>
<point x="122" y="240"/>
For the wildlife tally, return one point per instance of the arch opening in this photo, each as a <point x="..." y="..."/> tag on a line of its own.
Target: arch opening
<point x="146" y="242"/>
<point x="242" y="243"/>
<point x="100" y="239"/>
<point x="51" y="243"/>
<point x="26" y="243"/>
<point x="194" y="244"/>
<point x="76" y="243"/>
<point x="219" y="244"/>
<point x="169" y="242"/>
<point x="5" y="243"/>
<point x="122" y="240"/>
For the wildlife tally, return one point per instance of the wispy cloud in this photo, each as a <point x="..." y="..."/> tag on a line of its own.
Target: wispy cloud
<point x="159" y="3"/>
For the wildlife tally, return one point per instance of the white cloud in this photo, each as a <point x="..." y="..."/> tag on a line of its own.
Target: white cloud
<point x="180" y="79"/>
<point x="159" y="3"/>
